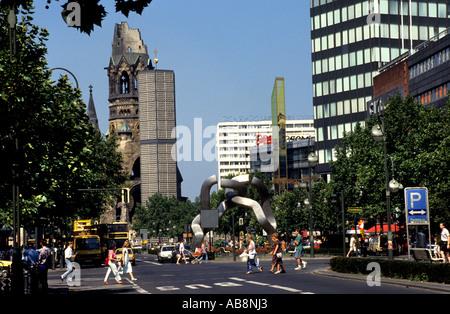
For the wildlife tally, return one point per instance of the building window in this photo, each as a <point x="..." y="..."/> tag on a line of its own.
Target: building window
<point x="432" y="9"/>
<point x="423" y="9"/>
<point x="124" y="83"/>
<point x="414" y="9"/>
<point x="384" y="7"/>
<point x="393" y="7"/>
<point x="442" y="10"/>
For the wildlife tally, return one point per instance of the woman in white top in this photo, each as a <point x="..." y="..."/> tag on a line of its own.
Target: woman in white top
<point x="126" y="260"/>
<point x="251" y="251"/>
<point x="445" y="246"/>
<point x="181" y="249"/>
<point x="352" y="245"/>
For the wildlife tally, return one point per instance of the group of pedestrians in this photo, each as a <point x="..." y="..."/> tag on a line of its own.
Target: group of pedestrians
<point x="277" y="254"/>
<point x="37" y="264"/>
<point x="182" y="252"/>
<point x="117" y="266"/>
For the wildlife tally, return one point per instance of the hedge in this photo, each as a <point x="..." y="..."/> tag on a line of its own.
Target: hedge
<point x="395" y="269"/>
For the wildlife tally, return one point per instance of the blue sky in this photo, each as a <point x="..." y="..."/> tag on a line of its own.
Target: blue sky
<point x="225" y="55"/>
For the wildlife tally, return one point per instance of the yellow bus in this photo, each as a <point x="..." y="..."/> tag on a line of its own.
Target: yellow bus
<point x="86" y="243"/>
<point x="88" y="249"/>
<point x="117" y="233"/>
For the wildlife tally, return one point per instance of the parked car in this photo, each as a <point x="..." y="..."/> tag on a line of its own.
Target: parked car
<point x="166" y="253"/>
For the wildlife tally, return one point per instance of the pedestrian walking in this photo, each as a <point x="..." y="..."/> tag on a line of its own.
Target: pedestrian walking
<point x="352" y="245"/>
<point x="112" y="263"/>
<point x="445" y="244"/>
<point x="204" y="253"/>
<point x="277" y="256"/>
<point x="298" y="242"/>
<point x="126" y="263"/>
<point x="181" y="253"/>
<point x="68" y="257"/>
<point x="43" y="264"/>
<point x="251" y="259"/>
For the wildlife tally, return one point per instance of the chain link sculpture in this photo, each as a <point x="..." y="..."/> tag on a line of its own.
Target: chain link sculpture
<point x="235" y="191"/>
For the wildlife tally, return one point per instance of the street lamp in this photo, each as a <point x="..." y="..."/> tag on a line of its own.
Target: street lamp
<point x="379" y="135"/>
<point x="312" y="162"/>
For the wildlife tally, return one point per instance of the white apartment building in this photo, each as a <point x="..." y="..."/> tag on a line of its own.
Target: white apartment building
<point x="234" y="140"/>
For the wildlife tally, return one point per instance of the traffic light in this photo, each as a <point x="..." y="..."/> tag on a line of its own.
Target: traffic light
<point x="334" y="202"/>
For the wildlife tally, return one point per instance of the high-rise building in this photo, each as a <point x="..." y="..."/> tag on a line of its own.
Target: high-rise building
<point x="234" y="140"/>
<point x="279" y="130"/>
<point x="159" y="171"/>
<point x="351" y="40"/>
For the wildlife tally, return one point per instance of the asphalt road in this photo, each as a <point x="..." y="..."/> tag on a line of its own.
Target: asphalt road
<point x="222" y="277"/>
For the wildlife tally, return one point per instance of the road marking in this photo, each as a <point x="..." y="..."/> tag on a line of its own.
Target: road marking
<point x="198" y="286"/>
<point x="227" y="284"/>
<point x="137" y="288"/>
<point x="167" y="288"/>
<point x="148" y="262"/>
<point x="250" y="281"/>
<point x="286" y="288"/>
<point x="272" y="286"/>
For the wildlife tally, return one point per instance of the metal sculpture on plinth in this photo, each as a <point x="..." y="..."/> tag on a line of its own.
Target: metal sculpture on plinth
<point x="235" y="191"/>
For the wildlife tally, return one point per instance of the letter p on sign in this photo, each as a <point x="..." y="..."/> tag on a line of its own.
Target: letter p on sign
<point x="415" y="197"/>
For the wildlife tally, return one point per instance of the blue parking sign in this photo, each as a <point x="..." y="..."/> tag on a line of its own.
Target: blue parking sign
<point x="416" y="206"/>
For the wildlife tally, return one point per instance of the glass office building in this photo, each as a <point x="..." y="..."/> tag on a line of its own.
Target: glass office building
<point x="351" y="40"/>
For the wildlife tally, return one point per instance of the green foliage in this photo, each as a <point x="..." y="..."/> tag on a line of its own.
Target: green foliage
<point x="417" y="141"/>
<point x="165" y="216"/>
<point x="58" y="150"/>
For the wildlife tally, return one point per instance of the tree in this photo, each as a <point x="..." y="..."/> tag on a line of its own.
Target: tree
<point x="165" y="216"/>
<point x="92" y="13"/>
<point x="46" y="137"/>
<point x="417" y="143"/>
<point x="290" y="211"/>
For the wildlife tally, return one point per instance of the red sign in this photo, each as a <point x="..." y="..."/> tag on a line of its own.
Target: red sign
<point x="263" y="139"/>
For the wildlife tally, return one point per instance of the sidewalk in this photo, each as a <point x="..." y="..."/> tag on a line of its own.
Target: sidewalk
<point x="438" y="287"/>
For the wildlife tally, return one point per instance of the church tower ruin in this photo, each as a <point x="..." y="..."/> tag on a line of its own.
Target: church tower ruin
<point x="129" y="57"/>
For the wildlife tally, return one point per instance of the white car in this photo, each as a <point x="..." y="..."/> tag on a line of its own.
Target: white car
<point x="165" y="253"/>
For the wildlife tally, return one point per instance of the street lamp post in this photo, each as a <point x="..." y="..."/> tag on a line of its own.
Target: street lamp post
<point x="17" y="281"/>
<point x="312" y="162"/>
<point x="379" y="135"/>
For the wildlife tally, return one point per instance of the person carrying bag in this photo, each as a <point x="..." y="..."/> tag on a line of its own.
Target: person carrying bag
<point x="112" y="266"/>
